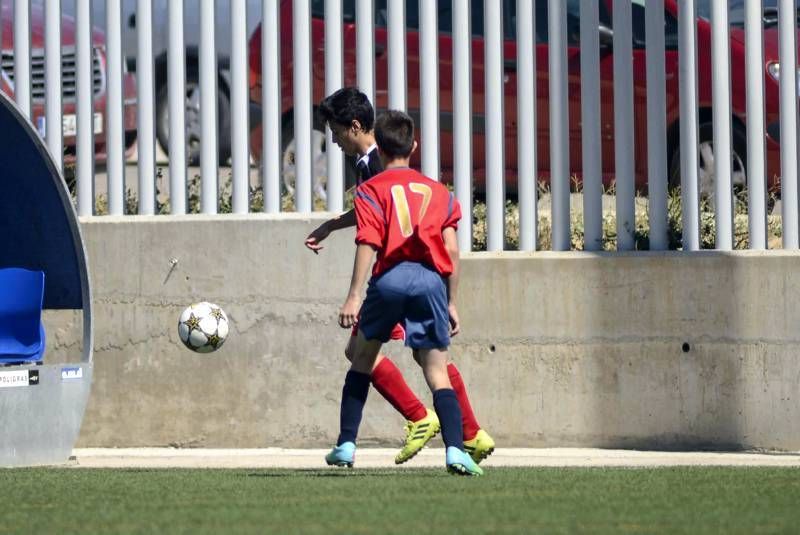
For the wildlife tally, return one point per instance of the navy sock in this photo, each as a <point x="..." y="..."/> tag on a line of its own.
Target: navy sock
<point x="354" y="396"/>
<point x="445" y="403"/>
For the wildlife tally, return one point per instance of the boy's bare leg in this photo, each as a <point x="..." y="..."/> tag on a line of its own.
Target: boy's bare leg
<point x="434" y="367"/>
<point x="350" y="351"/>
<point x="365" y="354"/>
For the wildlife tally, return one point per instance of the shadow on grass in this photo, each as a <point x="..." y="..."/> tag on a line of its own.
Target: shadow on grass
<point x="337" y="472"/>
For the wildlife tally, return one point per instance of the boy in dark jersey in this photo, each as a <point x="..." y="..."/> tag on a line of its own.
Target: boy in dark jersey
<point x="350" y="116"/>
<point x="410" y="221"/>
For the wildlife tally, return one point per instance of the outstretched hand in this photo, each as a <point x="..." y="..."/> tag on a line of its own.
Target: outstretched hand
<point x="314" y="239"/>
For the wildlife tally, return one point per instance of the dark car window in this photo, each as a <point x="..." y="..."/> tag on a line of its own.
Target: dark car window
<point x="445" y="14"/>
<point x="670" y="32"/>
<point x="477" y="18"/>
<point x="348" y="10"/>
<point x="638" y="27"/>
<point x="573" y="20"/>
<point x="318" y="8"/>
<point x="735" y="10"/>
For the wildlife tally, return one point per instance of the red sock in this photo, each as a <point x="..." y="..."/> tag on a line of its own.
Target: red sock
<point x="388" y="380"/>
<point x="468" y="421"/>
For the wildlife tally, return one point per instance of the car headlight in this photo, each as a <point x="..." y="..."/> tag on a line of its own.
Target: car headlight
<point x="774" y="70"/>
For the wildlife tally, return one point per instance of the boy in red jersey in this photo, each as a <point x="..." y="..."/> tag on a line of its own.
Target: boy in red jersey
<point x="410" y="221"/>
<point x="350" y="117"/>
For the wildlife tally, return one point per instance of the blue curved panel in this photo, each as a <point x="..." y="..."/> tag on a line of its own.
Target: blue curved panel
<point x="38" y="227"/>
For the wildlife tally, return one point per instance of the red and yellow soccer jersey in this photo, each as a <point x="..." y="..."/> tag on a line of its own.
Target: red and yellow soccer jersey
<point x="402" y="213"/>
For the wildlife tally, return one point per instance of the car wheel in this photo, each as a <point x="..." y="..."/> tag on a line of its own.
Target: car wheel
<point x="705" y="156"/>
<point x="319" y="159"/>
<point x="193" y="125"/>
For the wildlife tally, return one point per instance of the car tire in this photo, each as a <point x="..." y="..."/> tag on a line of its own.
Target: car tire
<point x="193" y="127"/>
<point x="705" y="157"/>
<point x="319" y="159"/>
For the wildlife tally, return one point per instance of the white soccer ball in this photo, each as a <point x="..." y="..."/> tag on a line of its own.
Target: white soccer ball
<point x="203" y="327"/>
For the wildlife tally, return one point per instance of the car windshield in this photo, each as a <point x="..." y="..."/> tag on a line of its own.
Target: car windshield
<point x="735" y="10"/>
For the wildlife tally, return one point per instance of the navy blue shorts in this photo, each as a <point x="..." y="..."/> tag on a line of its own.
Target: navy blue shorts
<point x="411" y="294"/>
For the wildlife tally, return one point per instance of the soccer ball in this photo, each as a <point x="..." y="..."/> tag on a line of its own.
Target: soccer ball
<point x="203" y="327"/>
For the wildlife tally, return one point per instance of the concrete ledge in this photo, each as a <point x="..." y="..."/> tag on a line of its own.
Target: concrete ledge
<point x="648" y="351"/>
<point x="428" y="458"/>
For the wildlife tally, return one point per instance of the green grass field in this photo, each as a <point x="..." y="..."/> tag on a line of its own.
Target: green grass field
<point x="548" y="500"/>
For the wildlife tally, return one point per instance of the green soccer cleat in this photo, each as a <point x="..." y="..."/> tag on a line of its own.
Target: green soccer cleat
<point x="417" y="435"/>
<point x="344" y="455"/>
<point x="461" y="464"/>
<point x="480" y="447"/>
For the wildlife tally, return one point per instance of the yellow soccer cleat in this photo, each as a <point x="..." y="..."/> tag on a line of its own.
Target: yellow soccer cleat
<point x="480" y="447"/>
<point x="417" y="435"/>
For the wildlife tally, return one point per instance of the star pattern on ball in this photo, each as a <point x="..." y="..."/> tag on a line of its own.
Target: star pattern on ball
<point x="214" y="340"/>
<point x="193" y="322"/>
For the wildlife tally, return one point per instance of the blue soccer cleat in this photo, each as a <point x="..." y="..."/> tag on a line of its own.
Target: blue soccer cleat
<point x="343" y="455"/>
<point x="461" y="464"/>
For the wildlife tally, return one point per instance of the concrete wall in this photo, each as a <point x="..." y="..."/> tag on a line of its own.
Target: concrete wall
<point x="659" y="350"/>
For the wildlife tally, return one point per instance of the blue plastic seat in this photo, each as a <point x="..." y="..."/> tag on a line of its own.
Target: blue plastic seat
<point x="21" y="331"/>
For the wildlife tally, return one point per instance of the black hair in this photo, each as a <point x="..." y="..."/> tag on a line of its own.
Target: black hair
<point x="394" y="133"/>
<point x="344" y="106"/>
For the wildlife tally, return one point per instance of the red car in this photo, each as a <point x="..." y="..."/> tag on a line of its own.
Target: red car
<point x="739" y="119"/>
<point x="68" y="81"/>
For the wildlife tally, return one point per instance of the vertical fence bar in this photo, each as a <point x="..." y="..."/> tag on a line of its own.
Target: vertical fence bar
<point x="429" y="88"/>
<point x="271" y="120"/>
<point x="559" y="124"/>
<point x="462" y="118"/>
<point x="22" y="55"/>
<point x="495" y="163"/>
<point x="397" y="54"/>
<point x="721" y="97"/>
<point x="145" y="107"/>
<point x="687" y="68"/>
<point x="787" y="16"/>
<point x="657" y="181"/>
<point x="756" y="167"/>
<point x="209" y="164"/>
<point x="115" y="127"/>
<point x="2" y="21"/>
<point x="302" y="101"/>
<point x="52" y="59"/>
<point x="177" y="109"/>
<point x="365" y="48"/>
<point x="333" y="81"/>
<point x="591" y="127"/>
<point x="84" y="165"/>
<point x="527" y="174"/>
<point x="240" y="156"/>
<point x="624" y="138"/>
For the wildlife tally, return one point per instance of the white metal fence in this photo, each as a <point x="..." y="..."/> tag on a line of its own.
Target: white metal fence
<point x="491" y="82"/>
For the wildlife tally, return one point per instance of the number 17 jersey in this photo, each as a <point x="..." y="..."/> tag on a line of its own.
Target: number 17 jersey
<point x="403" y="213"/>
